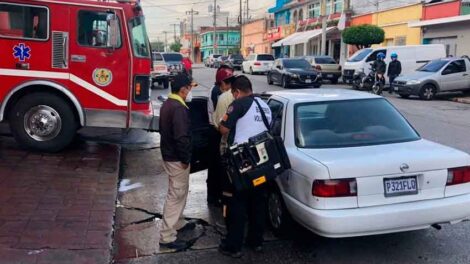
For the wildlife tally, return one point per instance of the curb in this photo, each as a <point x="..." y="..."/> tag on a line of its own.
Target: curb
<point x="463" y="100"/>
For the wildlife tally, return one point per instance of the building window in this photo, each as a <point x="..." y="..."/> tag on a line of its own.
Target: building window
<point x="338" y="6"/>
<point x="400" y="41"/>
<point x="328" y="7"/>
<point x="24" y="22"/>
<point x="314" y="10"/>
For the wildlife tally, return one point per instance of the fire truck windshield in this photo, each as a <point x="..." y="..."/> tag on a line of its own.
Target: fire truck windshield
<point x="140" y="42"/>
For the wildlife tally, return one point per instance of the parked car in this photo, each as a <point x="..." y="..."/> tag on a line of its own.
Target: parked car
<point x="210" y="60"/>
<point x="235" y="61"/>
<point x="294" y="72"/>
<point x="220" y="61"/>
<point x="358" y="167"/>
<point x="411" y="57"/>
<point x="442" y="75"/>
<point x="328" y="67"/>
<point x="258" y="63"/>
<point x="165" y="66"/>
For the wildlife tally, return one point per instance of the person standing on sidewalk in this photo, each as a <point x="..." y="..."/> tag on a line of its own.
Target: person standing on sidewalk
<point x="394" y="70"/>
<point x="176" y="152"/>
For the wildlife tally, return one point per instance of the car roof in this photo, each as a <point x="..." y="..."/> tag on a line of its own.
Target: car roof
<point x="322" y="94"/>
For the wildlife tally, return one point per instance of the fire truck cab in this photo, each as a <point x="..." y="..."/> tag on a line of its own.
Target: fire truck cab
<point x="67" y="64"/>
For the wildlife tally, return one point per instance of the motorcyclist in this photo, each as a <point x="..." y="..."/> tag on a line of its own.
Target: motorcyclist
<point x="394" y="70"/>
<point x="380" y="67"/>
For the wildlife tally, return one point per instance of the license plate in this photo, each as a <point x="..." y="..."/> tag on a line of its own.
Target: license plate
<point x="266" y="64"/>
<point x="401" y="186"/>
<point x="396" y="88"/>
<point x="308" y="81"/>
<point x="329" y="75"/>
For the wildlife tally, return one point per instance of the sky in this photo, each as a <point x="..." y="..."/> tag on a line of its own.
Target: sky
<point x="161" y="14"/>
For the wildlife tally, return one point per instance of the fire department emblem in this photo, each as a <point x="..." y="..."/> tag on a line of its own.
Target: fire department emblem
<point x="102" y="77"/>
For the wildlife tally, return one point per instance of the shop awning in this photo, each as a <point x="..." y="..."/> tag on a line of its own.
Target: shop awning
<point x="439" y="21"/>
<point x="282" y="41"/>
<point x="304" y="37"/>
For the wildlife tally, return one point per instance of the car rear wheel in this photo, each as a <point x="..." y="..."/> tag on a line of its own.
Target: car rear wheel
<point x="251" y="71"/>
<point x="427" y="92"/>
<point x="334" y="81"/>
<point x="43" y="122"/>
<point x="166" y="84"/>
<point x="278" y="216"/>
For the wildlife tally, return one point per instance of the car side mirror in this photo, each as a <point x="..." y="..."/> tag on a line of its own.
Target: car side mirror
<point x="279" y="67"/>
<point x="113" y="31"/>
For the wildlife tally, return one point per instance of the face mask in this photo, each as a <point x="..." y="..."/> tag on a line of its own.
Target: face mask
<point x="189" y="97"/>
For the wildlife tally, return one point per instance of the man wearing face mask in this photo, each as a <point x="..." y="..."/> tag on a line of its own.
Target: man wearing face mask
<point x="176" y="152"/>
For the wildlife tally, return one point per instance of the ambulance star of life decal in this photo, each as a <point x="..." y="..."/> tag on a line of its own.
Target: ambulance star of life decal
<point x="21" y="52"/>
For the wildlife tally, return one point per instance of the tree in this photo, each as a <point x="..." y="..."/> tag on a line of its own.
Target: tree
<point x="176" y="47"/>
<point x="363" y="36"/>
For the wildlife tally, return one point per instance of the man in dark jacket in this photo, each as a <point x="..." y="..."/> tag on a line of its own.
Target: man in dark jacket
<point x="394" y="70"/>
<point x="176" y="151"/>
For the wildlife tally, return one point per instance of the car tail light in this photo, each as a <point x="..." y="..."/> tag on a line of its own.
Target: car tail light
<point x="318" y="68"/>
<point x="458" y="176"/>
<point x="334" y="188"/>
<point x="257" y="63"/>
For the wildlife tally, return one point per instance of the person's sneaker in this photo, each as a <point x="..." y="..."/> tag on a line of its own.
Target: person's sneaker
<point x="227" y="252"/>
<point x="177" y="245"/>
<point x="188" y="227"/>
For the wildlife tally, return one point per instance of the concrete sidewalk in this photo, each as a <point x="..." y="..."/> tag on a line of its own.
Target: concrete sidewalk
<point x="57" y="208"/>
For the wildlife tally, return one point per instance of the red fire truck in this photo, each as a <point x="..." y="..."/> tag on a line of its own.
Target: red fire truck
<point x="67" y="64"/>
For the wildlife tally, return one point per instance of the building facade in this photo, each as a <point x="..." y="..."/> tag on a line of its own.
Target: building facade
<point x="255" y="39"/>
<point x="227" y="41"/>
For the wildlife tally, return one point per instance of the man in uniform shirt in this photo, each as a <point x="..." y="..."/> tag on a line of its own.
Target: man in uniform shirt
<point x="242" y="121"/>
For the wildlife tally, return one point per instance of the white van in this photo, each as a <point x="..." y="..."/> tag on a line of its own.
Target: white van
<point x="411" y="58"/>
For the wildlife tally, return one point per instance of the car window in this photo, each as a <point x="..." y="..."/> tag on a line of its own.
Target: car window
<point x="173" y="57"/>
<point x="265" y="57"/>
<point x="157" y="57"/>
<point x="433" y="66"/>
<point x="350" y="123"/>
<point x="455" y="67"/>
<point x="21" y="21"/>
<point x="277" y="110"/>
<point x="324" y="60"/>
<point x="373" y="55"/>
<point x="94" y="29"/>
<point x="360" y="55"/>
<point x="297" y="64"/>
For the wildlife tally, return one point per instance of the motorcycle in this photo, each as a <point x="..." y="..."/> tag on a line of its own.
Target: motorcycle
<point x="372" y="82"/>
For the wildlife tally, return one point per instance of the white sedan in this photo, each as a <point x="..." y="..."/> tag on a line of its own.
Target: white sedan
<point x="359" y="168"/>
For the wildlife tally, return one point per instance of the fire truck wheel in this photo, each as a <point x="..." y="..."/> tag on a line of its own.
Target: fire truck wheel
<point x="43" y="122"/>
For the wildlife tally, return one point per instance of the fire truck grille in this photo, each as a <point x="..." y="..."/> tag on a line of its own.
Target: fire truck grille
<point x="59" y="49"/>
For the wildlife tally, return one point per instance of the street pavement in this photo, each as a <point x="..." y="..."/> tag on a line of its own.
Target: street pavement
<point x="440" y="120"/>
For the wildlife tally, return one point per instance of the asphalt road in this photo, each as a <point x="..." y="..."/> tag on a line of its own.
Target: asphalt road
<point x="442" y="121"/>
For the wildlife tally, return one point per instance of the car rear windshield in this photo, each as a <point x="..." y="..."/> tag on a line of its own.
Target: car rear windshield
<point x="265" y="57"/>
<point x="324" y="60"/>
<point x="433" y="66"/>
<point x="350" y="123"/>
<point x="297" y="64"/>
<point x="173" y="57"/>
<point x="360" y="55"/>
<point x="237" y="57"/>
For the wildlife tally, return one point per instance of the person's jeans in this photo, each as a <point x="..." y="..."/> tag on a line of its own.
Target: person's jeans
<point x="391" y="79"/>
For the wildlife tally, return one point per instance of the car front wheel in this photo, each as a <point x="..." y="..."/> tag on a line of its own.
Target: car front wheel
<point x="284" y="82"/>
<point x="427" y="92"/>
<point x="270" y="81"/>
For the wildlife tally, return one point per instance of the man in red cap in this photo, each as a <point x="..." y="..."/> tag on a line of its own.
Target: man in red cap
<point x="214" y="174"/>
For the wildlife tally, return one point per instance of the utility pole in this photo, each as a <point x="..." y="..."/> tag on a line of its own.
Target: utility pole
<point x="215" y="28"/>
<point x="174" y="31"/>
<point x="166" y="41"/>
<point x="324" y="17"/>
<point x="241" y="26"/>
<point x="226" y="39"/>
<point x="192" y="13"/>
<point x="247" y="10"/>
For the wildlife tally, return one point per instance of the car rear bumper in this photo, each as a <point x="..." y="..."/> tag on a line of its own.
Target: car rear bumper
<point x="380" y="219"/>
<point x="261" y="68"/>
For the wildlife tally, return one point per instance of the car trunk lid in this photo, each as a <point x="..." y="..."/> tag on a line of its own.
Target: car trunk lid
<point x="427" y="163"/>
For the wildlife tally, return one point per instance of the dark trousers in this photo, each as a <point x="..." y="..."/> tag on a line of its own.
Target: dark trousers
<point x="215" y="171"/>
<point x="391" y="79"/>
<point x="245" y="205"/>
